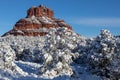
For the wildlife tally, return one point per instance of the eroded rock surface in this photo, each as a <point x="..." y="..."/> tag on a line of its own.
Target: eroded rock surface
<point x="37" y="23"/>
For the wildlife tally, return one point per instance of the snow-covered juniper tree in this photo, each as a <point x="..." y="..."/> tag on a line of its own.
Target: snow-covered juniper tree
<point x="57" y="52"/>
<point x="7" y="56"/>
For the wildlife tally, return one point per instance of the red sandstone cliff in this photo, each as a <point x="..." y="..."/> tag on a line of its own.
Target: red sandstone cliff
<point x="37" y="22"/>
<point x="40" y="11"/>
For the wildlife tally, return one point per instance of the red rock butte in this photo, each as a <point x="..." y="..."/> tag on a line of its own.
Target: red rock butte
<point x="40" y="11"/>
<point x="37" y="22"/>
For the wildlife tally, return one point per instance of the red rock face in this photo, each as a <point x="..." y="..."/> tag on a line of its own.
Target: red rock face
<point x="40" y="11"/>
<point x="24" y="25"/>
<point x="37" y="18"/>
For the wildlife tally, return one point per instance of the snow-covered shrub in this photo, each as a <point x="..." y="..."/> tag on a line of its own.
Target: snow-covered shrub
<point x="81" y="49"/>
<point x="115" y="63"/>
<point x="26" y="48"/>
<point x="114" y="68"/>
<point x="101" y="55"/>
<point x="57" y="52"/>
<point x="7" y="56"/>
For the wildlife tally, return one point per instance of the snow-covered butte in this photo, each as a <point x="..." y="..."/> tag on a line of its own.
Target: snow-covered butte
<point x="37" y="23"/>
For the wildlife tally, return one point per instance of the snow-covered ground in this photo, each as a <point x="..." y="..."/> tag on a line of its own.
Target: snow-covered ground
<point x="29" y="73"/>
<point x="60" y="55"/>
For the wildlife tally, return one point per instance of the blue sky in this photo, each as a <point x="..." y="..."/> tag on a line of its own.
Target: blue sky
<point x="87" y="17"/>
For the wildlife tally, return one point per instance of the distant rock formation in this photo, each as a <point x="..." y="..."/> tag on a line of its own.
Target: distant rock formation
<point x="40" y="11"/>
<point x="37" y="23"/>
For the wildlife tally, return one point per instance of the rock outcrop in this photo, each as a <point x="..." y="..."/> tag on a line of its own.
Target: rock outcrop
<point x="40" y="11"/>
<point x="37" y="22"/>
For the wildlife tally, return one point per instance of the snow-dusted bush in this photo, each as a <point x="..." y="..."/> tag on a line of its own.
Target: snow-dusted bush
<point x="115" y="63"/>
<point x="101" y="54"/>
<point x="7" y="56"/>
<point x="57" y="52"/>
<point x="26" y="48"/>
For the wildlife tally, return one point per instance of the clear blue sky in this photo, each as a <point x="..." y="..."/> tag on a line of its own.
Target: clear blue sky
<point x="87" y="17"/>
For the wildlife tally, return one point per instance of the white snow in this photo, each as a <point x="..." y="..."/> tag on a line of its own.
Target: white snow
<point x="60" y="55"/>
